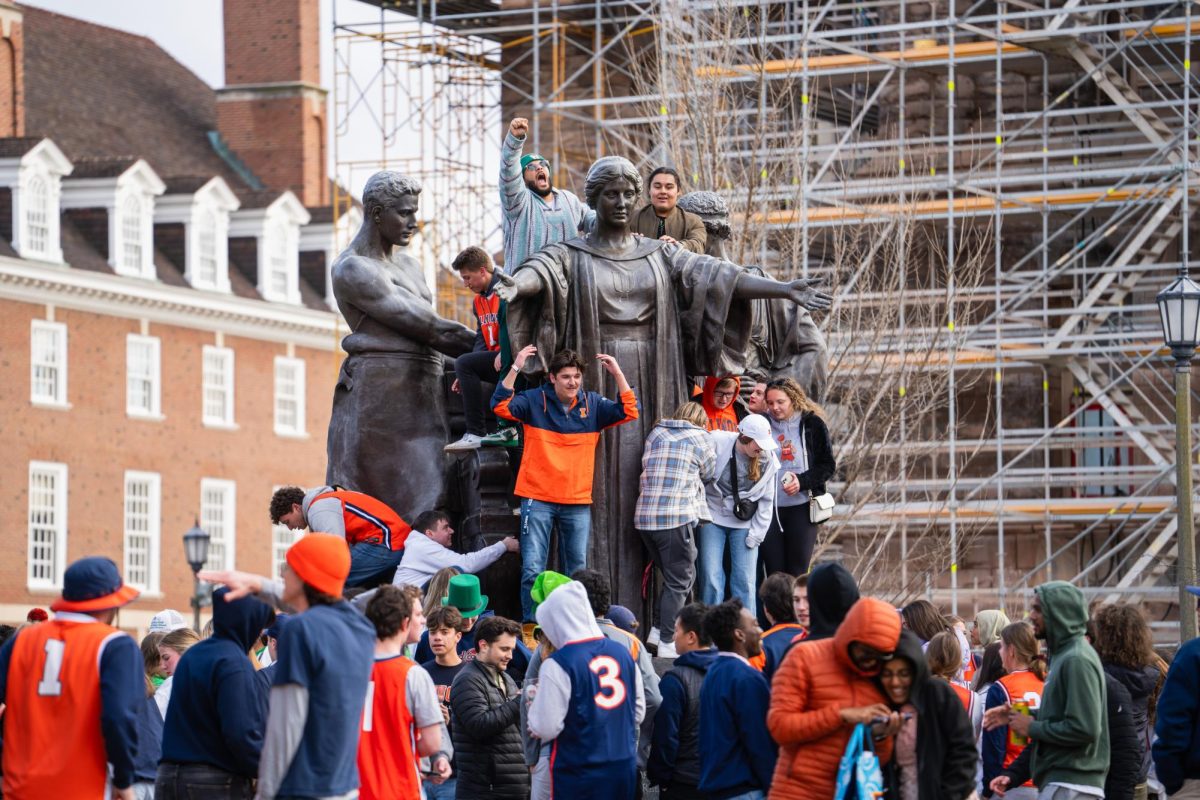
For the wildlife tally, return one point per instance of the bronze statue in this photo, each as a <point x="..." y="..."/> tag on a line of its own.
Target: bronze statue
<point x="388" y="425"/>
<point x="785" y="342"/>
<point x="663" y="312"/>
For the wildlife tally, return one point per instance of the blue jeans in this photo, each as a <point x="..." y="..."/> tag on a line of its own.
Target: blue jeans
<point x="372" y="564"/>
<point x="439" y="791"/>
<point x="537" y="520"/>
<point x="743" y="562"/>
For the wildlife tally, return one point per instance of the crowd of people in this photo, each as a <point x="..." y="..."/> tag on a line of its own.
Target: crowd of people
<point x="298" y="692"/>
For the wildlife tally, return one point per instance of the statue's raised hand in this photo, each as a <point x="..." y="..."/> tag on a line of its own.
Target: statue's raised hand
<point x="803" y="292"/>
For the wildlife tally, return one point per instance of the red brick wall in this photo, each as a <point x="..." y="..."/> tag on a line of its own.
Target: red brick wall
<point x="12" y="73"/>
<point x="98" y="442"/>
<point x="272" y="42"/>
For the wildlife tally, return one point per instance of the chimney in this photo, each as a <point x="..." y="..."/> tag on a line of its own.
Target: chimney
<point x="12" y="71"/>
<point x="271" y="112"/>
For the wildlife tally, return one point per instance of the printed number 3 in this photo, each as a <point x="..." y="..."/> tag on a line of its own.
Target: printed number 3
<point x="49" y="685"/>
<point x="612" y="690"/>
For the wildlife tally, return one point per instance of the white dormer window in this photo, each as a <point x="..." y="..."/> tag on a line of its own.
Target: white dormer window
<point x="133" y="229"/>
<point x="125" y="189"/>
<point x="37" y="218"/>
<point x="204" y="212"/>
<point x="34" y="177"/>
<point x="276" y="229"/>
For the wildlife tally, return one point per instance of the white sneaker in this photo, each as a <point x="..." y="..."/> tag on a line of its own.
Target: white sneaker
<point x="667" y="651"/>
<point x="469" y="441"/>
<point x="654" y="638"/>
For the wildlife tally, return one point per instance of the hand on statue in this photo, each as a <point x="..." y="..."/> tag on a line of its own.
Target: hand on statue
<point x="802" y="293"/>
<point x="519" y="127"/>
<point x="511" y="545"/>
<point x="668" y="239"/>
<point x="610" y="364"/>
<point x="454" y="387"/>
<point x="523" y="356"/>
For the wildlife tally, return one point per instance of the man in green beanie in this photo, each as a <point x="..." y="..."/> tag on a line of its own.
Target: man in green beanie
<point x="1070" y="732"/>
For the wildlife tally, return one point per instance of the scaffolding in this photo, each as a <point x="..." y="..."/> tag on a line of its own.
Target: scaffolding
<point x="1025" y="168"/>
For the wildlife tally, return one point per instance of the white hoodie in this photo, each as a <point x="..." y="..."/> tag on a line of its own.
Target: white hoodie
<point x="721" y="506"/>
<point x="565" y="617"/>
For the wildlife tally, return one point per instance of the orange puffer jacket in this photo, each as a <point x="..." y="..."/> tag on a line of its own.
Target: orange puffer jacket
<point x="814" y="683"/>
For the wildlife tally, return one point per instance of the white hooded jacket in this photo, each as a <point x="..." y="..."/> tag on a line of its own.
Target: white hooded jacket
<point x="566" y="617"/>
<point x="721" y="506"/>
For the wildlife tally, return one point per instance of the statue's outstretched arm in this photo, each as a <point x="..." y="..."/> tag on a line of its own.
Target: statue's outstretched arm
<point x="800" y="291"/>
<point x="409" y="315"/>
<point x="514" y="286"/>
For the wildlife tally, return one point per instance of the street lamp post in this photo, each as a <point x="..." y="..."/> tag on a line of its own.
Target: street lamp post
<point x="195" y="547"/>
<point x="1179" y="308"/>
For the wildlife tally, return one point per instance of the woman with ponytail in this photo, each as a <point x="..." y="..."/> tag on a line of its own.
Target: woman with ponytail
<point x="1022" y="688"/>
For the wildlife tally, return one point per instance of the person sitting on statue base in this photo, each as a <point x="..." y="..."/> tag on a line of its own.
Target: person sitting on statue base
<point x="482" y="364"/>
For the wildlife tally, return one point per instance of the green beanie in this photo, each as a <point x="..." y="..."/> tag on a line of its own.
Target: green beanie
<point x="526" y="159"/>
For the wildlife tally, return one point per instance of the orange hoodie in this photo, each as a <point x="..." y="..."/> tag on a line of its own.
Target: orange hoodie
<point x="719" y="419"/>
<point x="814" y="683"/>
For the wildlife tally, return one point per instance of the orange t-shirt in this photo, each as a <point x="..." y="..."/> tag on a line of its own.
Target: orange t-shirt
<point x="387" y="758"/>
<point x="53" y="744"/>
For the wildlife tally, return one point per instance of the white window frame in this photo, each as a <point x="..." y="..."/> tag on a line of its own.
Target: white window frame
<point x="132" y="223"/>
<point x="154" y="345"/>
<point x="153" y="532"/>
<point x="57" y="527"/>
<point x="59" y="331"/>
<point x="39" y="212"/>
<point x="223" y="533"/>
<point x="298" y="380"/>
<point x="228" y="360"/>
<point x="207" y="273"/>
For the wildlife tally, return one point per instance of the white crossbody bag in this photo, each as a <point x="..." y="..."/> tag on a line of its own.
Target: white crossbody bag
<point x="820" y="506"/>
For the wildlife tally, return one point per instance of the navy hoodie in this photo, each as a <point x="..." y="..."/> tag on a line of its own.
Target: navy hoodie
<point x="1177" y="749"/>
<point x="218" y="710"/>
<point x="737" y="754"/>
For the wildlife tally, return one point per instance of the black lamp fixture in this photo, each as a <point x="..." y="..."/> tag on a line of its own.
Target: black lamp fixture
<point x="195" y="546"/>
<point x="1179" y="308"/>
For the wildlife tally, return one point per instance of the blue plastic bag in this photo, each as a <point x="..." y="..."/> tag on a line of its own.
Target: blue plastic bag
<point x="860" y="765"/>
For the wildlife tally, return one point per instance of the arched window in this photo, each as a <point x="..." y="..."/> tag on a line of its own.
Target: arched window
<point x="131" y="235"/>
<point x="37" y="216"/>
<point x="206" y="249"/>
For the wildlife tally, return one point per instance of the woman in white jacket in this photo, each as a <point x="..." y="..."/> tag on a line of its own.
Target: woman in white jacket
<point x="751" y="450"/>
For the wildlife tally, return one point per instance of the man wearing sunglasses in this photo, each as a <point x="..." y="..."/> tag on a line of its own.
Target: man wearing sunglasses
<point x="534" y="211"/>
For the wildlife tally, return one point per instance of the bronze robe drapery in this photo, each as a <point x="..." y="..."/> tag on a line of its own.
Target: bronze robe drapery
<point x="664" y="313"/>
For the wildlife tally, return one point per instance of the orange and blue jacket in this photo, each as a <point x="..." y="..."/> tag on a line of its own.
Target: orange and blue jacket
<point x="560" y="443"/>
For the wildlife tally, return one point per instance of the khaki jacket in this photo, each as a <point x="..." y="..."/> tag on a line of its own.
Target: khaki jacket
<point x="682" y="226"/>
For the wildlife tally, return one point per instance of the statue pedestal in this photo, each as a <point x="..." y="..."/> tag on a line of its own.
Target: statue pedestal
<point x="479" y="484"/>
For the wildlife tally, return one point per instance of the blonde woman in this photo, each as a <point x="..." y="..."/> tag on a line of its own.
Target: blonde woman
<point x="170" y="650"/>
<point x="747" y="456"/>
<point x="806" y="463"/>
<point x="677" y="461"/>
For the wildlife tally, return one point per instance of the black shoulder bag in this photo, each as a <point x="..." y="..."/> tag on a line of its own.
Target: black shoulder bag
<point x="742" y="509"/>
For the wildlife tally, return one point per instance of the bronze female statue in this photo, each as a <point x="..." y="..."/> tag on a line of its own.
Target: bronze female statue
<point x="663" y="312"/>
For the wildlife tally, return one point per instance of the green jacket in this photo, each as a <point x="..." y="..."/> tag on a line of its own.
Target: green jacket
<point x="1070" y="734"/>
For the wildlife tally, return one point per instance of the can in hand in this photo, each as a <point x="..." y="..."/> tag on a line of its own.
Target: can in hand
<point x="1020" y="707"/>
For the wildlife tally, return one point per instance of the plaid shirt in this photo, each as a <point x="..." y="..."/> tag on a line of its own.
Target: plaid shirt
<point x="677" y="462"/>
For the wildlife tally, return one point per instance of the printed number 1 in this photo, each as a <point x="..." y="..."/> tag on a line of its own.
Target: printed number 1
<point x="49" y="685"/>
<point x="612" y="690"/>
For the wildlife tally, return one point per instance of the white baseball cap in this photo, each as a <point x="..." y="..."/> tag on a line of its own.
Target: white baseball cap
<point x="757" y="428"/>
<point x="166" y="621"/>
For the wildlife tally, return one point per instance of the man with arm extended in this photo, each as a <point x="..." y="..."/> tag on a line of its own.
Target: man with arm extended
<point x="427" y="549"/>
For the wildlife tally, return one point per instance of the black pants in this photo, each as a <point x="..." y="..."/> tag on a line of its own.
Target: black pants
<point x="681" y="791"/>
<point x="789" y="549"/>
<point x="473" y="370"/>
<point x="674" y="552"/>
<point x="200" y="782"/>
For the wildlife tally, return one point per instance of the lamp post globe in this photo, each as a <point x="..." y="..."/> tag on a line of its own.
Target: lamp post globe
<point x="1179" y="311"/>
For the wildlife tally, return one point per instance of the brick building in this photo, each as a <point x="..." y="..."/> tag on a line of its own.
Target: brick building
<point x="167" y="345"/>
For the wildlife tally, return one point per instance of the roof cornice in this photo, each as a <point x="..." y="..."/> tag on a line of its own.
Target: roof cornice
<point x="133" y="298"/>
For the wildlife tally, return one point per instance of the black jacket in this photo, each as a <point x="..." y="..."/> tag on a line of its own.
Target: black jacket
<point x="487" y="743"/>
<point x="946" y="754"/>
<point x="821" y="463"/>
<point x="1140" y="683"/>
<point x="1124" y="756"/>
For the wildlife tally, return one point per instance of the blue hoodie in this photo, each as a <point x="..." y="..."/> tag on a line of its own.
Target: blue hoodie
<point x="737" y="754"/>
<point x="1177" y="724"/>
<point x="218" y="710"/>
<point x="672" y="724"/>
